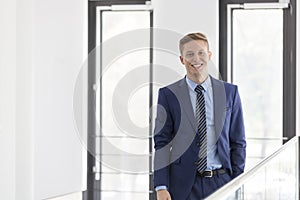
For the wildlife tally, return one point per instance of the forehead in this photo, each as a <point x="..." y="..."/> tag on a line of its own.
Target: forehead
<point x="195" y="45"/>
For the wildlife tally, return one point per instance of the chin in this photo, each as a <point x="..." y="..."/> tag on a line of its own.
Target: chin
<point x="200" y="73"/>
<point x="200" y="70"/>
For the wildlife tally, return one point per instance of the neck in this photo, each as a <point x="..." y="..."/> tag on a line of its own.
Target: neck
<point x="199" y="79"/>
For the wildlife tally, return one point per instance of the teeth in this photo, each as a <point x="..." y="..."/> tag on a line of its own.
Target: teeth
<point x="198" y="65"/>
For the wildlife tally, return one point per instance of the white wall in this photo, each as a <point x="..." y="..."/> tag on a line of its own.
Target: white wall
<point x="41" y="52"/>
<point x="24" y="130"/>
<point x="190" y="16"/>
<point x="58" y="55"/>
<point x="7" y="100"/>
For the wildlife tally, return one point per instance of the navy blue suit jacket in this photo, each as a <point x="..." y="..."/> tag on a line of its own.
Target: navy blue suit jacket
<point x="176" y="149"/>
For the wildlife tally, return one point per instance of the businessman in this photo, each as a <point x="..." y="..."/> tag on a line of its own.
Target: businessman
<point x="199" y="130"/>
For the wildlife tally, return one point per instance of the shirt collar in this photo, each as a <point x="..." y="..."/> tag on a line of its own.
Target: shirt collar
<point x="206" y="84"/>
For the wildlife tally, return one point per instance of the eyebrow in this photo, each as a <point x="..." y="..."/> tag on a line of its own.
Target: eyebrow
<point x="190" y="51"/>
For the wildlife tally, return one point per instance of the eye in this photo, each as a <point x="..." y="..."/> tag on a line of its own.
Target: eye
<point x="189" y="55"/>
<point x="201" y="53"/>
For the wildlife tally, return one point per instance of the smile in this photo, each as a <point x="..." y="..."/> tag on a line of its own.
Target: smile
<point x="197" y="65"/>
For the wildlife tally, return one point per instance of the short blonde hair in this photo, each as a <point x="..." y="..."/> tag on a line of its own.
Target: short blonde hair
<point x="190" y="37"/>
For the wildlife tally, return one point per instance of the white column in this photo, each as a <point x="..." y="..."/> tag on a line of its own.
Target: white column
<point x="24" y="102"/>
<point x="7" y="99"/>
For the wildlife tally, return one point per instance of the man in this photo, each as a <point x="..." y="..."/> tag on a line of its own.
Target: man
<point x="199" y="130"/>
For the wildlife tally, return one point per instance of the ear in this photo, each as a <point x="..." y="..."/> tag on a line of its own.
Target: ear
<point x="181" y="59"/>
<point x="209" y="55"/>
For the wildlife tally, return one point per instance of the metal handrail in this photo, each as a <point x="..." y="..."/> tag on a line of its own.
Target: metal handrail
<point x="235" y="184"/>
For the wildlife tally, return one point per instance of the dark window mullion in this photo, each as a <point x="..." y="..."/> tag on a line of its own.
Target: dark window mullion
<point x="289" y="71"/>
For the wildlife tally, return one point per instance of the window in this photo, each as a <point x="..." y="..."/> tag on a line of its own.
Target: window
<point x="256" y="45"/>
<point x="120" y="73"/>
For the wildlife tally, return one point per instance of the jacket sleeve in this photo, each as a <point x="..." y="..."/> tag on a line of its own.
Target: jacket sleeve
<point x="162" y="139"/>
<point x="237" y="137"/>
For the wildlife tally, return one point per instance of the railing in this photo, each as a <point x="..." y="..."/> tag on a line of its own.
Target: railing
<point x="275" y="177"/>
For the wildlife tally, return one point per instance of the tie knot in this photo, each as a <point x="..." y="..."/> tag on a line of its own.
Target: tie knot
<point x="199" y="89"/>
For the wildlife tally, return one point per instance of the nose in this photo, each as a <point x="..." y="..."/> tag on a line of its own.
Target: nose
<point x="197" y="58"/>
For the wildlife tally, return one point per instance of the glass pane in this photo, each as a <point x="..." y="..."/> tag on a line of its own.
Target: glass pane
<point x="124" y="99"/>
<point x="278" y="180"/>
<point x="258" y="71"/>
<point x="275" y="178"/>
<point x="129" y="145"/>
<point x="125" y="182"/>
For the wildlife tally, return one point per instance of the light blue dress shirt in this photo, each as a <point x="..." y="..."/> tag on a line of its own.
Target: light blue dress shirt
<point x="213" y="160"/>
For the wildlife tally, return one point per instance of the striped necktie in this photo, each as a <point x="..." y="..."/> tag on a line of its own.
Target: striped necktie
<point x="201" y="129"/>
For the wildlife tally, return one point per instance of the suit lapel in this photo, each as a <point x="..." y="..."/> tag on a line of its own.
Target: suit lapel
<point x="219" y="99"/>
<point x="183" y="96"/>
<point x="219" y="96"/>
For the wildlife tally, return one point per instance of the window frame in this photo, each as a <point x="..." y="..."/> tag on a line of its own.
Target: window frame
<point x="93" y="190"/>
<point x="289" y="58"/>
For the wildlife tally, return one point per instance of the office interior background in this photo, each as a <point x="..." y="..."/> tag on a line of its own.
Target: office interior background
<point x="48" y="116"/>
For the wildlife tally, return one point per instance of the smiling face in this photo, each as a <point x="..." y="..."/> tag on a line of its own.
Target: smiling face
<point x="195" y="56"/>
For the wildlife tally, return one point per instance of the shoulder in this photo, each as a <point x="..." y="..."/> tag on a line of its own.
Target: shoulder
<point x="227" y="86"/>
<point x="173" y="86"/>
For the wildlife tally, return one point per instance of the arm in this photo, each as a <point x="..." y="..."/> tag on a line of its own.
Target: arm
<point x="162" y="138"/>
<point x="237" y="137"/>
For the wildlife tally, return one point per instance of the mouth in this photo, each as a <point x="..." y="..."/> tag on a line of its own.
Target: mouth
<point x="198" y="65"/>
